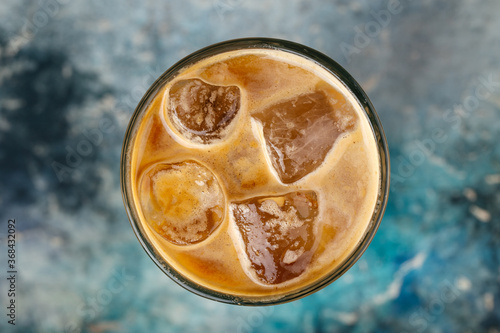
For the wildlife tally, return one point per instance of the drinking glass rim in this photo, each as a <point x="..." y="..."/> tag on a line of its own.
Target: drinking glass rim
<point x="349" y="83"/>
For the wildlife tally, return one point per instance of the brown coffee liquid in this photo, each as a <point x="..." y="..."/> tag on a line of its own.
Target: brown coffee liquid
<point x="254" y="172"/>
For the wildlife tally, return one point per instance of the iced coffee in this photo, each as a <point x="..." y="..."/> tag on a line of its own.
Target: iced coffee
<point x="253" y="173"/>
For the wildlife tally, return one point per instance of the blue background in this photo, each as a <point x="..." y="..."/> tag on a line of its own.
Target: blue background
<point x="72" y="70"/>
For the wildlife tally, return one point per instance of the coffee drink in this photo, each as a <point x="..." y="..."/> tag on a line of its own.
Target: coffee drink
<point x="253" y="172"/>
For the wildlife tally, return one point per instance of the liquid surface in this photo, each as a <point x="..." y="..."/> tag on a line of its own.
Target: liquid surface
<point x="255" y="172"/>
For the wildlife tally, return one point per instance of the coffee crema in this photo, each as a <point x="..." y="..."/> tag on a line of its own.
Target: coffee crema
<point x="254" y="173"/>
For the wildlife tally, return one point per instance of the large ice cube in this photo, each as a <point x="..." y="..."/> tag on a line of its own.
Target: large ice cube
<point x="299" y="132"/>
<point x="277" y="233"/>
<point x="202" y="112"/>
<point x="183" y="202"/>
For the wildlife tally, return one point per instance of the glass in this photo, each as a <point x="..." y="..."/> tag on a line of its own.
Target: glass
<point x="257" y="43"/>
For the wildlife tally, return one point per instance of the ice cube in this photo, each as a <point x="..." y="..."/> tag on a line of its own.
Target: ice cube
<point x="277" y="233"/>
<point x="202" y="112"/>
<point x="299" y="132"/>
<point x="183" y="202"/>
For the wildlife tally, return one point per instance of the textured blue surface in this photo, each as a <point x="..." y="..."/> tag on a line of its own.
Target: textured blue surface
<point x="73" y="70"/>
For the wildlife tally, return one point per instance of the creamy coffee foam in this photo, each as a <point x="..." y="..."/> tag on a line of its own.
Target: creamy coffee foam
<point x="320" y="172"/>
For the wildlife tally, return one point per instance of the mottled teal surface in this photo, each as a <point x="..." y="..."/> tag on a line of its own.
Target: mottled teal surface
<point x="72" y="71"/>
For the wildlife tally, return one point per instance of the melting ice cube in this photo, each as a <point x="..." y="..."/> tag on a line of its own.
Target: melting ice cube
<point x="277" y="233"/>
<point x="183" y="202"/>
<point x="300" y="132"/>
<point x="202" y="112"/>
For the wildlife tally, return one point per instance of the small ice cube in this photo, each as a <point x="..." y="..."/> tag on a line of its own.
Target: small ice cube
<point x="301" y="131"/>
<point x="178" y="205"/>
<point x="277" y="238"/>
<point x="202" y="112"/>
